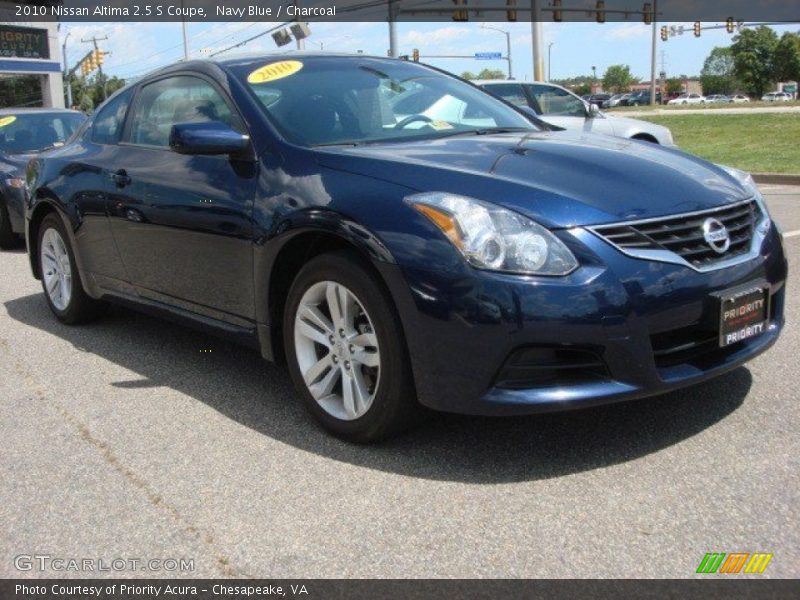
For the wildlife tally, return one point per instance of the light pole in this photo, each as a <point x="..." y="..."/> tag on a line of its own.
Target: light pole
<point x="549" y="56"/>
<point x="66" y="71"/>
<point x="594" y="78"/>
<point x="508" y="45"/>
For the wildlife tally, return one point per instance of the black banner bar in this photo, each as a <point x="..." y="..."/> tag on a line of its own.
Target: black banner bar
<point x="666" y="11"/>
<point x="711" y="587"/>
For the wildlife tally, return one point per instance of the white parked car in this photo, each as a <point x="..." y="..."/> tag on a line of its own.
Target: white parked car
<point x="777" y="97"/>
<point x="560" y="107"/>
<point x="688" y="99"/>
<point x="615" y="100"/>
<point x="738" y="98"/>
<point x="717" y="98"/>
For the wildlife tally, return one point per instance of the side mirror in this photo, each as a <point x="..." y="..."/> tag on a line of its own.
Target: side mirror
<point x="210" y="137"/>
<point x="592" y="111"/>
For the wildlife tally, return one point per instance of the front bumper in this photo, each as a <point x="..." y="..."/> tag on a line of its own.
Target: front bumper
<point x="462" y="328"/>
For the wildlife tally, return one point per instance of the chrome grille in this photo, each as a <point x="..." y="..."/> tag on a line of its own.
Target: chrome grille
<point x="683" y="236"/>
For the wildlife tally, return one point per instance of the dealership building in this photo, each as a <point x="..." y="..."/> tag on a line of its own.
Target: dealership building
<point x="30" y="61"/>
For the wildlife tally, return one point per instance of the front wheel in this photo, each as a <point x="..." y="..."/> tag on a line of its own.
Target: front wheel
<point x="60" y="279"/>
<point x="346" y="350"/>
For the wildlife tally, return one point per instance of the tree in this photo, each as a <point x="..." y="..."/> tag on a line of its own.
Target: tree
<point x="786" y="59"/>
<point x="753" y="58"/>
<point x="673" y="86"/>
<point x="582" y="89"/>
<point x="718" y="75"/>
<point x="618" y="78"/>
<point x="86" y="103"/>
<point x="491" y="74"/>
<point x="468" y="75"/>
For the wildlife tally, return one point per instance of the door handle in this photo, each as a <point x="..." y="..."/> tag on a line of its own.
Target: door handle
<point x="121" y="178"/>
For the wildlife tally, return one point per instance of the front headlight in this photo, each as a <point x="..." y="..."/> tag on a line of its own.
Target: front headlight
<point x="749" y="183"/>
<point x="493" y="238"/>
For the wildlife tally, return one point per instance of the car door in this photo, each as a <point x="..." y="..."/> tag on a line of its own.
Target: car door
<point x="85" y="177"/>
<point x="183" y="223"/>
<point x="563" y="109"/>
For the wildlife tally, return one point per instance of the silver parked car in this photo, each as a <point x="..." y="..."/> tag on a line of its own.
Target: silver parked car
<point x="776" y="97"/>
<point x="560" y="107"/>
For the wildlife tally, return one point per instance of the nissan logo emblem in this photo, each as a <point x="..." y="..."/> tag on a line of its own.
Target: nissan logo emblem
<point x="716" y="235"/>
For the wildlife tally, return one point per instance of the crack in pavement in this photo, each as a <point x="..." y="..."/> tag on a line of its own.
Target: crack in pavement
<point x="222" y="562"/>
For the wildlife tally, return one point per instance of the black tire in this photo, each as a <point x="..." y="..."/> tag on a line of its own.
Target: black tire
<point x="81" y="308"/>
<point x="394" y="406"/>
<point x="8" y="239"/>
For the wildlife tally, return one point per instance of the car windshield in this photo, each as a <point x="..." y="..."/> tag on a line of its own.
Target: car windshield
<point x="33" y="132"/>
<point x="337" y="100"/>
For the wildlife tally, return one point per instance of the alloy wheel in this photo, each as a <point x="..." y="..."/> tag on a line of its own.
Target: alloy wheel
<point x="337" y="350"/>
<point x="56" y="269"/>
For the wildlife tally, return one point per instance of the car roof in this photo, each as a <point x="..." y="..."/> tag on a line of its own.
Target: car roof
<point x="37" y="111"/>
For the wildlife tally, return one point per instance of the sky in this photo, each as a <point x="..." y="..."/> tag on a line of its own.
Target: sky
<point x="137" y="48"/>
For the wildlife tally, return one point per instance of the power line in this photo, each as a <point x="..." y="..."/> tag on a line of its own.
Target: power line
<point x="250" y="39"/>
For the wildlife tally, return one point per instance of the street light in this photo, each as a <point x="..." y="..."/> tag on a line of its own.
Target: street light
<point x="508" y="45"/>
<point x="549" y="56"/>
<point x="67" y="78"/>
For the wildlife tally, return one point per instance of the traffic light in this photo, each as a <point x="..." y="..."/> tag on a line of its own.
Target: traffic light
<point x="730" y="25"/>
<point x="697" y="28"/>
<point x="84" y="68"/>
<point x="664" y="33"/>
<point x="460" y="15"/>
<point x="601" y="16"/>
<point x="647" y="11"/>
<point x="511" y="14"/>
<point x="99" y="57"/>
<point x="558" y="16"/>
<point x="415" y="55"/>
<point x="90" y="62"/>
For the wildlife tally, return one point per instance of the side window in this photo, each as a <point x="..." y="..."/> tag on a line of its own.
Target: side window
<point x="167" y="102"/>
<point x="555" y="101"/>
<point x="107" y="126"/>
<point x="510" y="92"/>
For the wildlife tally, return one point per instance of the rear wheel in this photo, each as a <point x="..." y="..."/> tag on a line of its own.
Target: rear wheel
<point x="346" y="351"/>
<point x="60" y="279"/>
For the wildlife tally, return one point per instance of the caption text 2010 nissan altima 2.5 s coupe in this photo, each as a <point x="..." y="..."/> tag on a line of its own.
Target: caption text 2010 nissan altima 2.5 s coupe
<point x="402" y="238"/>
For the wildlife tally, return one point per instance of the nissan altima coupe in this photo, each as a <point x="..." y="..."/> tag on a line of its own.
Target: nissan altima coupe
<point x="401" y="238"/>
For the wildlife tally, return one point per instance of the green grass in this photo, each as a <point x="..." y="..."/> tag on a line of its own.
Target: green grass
<point x="763" y="143"/>
<point x="677" y="108"/>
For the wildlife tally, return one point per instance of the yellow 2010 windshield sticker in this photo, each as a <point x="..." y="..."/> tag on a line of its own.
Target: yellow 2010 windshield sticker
<point x="439" y="125"/>
<point x="7" y="120"/>
<point x="274" y="71"/>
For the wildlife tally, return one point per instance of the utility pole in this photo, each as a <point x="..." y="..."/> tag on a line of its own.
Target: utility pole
<point x="185" y="37"/>
<point x="537" y="44"/>
<point x="93" y="40"/>
<point x="549" y="61"/>
<point x="392" y="29"/>
<point x="654" y="46"/>
<point x="67" y="74"/>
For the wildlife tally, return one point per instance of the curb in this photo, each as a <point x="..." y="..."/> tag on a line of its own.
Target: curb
<point x="776" y="178"/>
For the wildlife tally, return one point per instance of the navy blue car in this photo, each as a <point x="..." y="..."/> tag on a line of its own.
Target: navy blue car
<point x="25" y="132"/>
<point x="401" y="238"/>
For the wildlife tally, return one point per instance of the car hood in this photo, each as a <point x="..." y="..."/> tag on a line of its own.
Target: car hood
<point x="558" y="178"/>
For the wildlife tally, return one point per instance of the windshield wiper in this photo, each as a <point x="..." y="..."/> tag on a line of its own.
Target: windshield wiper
<point x="487" y="131"/>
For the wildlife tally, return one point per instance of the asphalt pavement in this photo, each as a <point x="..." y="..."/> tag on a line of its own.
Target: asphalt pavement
<point x="134" y="438"/>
